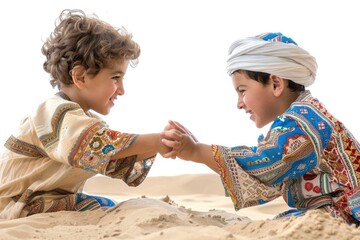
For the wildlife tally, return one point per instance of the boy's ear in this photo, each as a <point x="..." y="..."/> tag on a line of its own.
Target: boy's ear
<point x="278" y="84"/>
<point x="78" y="76"/>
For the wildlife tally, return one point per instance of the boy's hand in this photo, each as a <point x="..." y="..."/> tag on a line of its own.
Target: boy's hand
<point x="166" y="152"/>
<point x="182" y="129"/>
<point x="180" y="139"/>
<point x="169" y="139"/>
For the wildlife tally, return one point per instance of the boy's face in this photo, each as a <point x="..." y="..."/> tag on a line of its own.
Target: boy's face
<point x="102" y="90"/>
<point x="256" y="99"/>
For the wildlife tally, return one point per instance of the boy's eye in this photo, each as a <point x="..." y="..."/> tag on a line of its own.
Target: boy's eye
<point x="116" y="79"/>
<point x="241" y="91"/>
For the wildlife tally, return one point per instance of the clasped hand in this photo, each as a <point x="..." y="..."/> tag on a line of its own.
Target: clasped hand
<point x="179" y="139"/>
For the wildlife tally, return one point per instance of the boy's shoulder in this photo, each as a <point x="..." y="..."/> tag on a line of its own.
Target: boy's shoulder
<point x="55" y="105"/>
<point x="309" y="108"/>
<point x="56" y="102"/>
<point x="304" y="101"/>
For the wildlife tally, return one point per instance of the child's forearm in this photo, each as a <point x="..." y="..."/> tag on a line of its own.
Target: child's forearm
<point x="144" y="156"/>
<point x="203" y="154"/>
<point x="145" y="145"/>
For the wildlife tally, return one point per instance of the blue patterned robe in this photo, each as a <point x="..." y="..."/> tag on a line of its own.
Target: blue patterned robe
<point x="308" y="157"/>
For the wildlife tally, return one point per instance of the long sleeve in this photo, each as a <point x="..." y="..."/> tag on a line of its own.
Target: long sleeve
<point x="291" y="149"/>
<point x="85" y="142"/>
<point x="244" y="189"/>
<point x="56" y="149"/>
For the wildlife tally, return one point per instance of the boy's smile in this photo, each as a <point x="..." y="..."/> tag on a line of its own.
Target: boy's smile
<point x="259" y="100"/>
<point x="99" y="92"/>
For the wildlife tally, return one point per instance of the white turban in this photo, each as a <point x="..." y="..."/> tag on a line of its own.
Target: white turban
<point x="279" y="56"/>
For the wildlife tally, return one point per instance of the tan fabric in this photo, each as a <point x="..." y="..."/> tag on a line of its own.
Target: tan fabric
<point x="55" y="151"/>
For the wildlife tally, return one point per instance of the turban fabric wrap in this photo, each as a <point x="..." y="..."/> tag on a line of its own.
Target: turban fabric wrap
<point x="273" y="53"/>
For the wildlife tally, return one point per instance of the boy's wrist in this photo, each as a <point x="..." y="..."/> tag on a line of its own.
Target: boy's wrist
<point x="195" y="152"/>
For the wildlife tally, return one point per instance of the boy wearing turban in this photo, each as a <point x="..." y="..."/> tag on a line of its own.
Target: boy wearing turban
<point x="308" y="156"/>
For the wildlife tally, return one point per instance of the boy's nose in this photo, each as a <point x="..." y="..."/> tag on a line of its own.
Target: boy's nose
<point x="120" y="89"/>
<point x="121" y="92"/>
<point x="240" y="105"/>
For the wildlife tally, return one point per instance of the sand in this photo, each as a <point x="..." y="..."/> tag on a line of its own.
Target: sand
<point x="177" y="207"/>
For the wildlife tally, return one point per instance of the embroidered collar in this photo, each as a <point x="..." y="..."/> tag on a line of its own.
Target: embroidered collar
<point x="304" y="96"/>
<point x="63" y="95"/>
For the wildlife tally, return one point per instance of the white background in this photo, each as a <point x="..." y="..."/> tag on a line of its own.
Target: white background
<point x="181" y="74"/>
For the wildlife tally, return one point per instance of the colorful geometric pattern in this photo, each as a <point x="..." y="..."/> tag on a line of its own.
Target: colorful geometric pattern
<point x="96" y="145"/>
<point x="69" y="202"/>
<point x="57" y="143"/>
<point x="276" y="37"/>
<point x="56" y="122"/>
<point x="24" y="148"/>
<point x="308" y="157"/>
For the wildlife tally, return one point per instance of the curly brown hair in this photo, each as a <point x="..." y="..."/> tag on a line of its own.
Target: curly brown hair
<point x="81" y="40"/>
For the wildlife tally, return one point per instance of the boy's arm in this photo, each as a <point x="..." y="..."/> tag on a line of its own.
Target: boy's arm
<point x="203" y="154"/>
<point x="144" y="146"/>
<point x="185" y="146"/>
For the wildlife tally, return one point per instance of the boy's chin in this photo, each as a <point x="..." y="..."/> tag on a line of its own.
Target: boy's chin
<point x="103" y="112"/>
